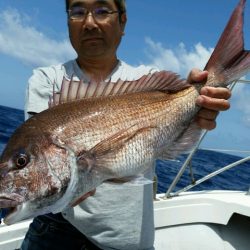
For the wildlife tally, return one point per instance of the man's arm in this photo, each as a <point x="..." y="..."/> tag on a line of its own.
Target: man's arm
<point x="212" y="100"/>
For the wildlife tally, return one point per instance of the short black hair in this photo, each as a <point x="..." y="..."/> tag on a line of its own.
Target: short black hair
<point x="120" y="4"/>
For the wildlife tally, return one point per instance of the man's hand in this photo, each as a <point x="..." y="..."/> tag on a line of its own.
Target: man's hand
<point x="212" y="100"/>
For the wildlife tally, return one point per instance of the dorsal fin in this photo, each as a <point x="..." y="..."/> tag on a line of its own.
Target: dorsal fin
<point x="74" y="90"/>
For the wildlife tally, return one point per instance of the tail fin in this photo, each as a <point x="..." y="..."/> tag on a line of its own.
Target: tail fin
<point x="229" y="60"/>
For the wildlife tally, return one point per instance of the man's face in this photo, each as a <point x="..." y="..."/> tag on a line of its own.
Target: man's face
<point x="93" y="38"/>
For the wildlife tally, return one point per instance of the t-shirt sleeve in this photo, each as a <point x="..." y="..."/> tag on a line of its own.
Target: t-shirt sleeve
<point x="37" y="93"/>
<point x="40" y="88"/>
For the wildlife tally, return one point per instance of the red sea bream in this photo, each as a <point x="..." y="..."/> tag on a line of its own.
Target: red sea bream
<point x="62" y="153"/>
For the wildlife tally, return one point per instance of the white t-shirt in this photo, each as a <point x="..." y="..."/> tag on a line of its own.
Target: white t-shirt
<point x="117" y="216"/>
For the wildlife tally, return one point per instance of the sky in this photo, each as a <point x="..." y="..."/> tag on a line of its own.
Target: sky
<point x="173" y="35"/>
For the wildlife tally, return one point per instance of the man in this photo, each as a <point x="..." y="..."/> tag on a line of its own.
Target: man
<point x="116" y="216"/>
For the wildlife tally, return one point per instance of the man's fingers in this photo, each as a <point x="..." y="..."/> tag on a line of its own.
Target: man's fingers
<point x="211" y="100"/>
<point x="197" y="76"/>
<point x="205" y="118"/>
<point x="205" y="124"/>
<point x="207" y="114"/>
<point x="220" y="93"/>
<point x="212" y="103"/>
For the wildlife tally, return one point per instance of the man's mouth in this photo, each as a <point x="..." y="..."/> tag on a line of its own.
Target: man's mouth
<point x="91" y="39"/>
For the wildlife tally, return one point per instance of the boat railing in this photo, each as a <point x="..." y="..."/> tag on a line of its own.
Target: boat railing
<point x="187" y="163"/>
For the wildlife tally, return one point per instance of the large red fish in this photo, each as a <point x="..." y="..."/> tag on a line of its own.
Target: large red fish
<point x="62" y="153"/>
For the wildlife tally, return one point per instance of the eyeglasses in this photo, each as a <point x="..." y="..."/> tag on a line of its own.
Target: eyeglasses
<point x="80" y="14"/>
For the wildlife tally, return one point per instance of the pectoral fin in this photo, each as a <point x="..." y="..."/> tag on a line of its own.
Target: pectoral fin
<point x="104" y="152"/>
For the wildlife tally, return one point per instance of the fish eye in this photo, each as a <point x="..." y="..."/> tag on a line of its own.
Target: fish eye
<point x="21" y="161"/>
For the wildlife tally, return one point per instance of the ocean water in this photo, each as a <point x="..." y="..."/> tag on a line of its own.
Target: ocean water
<point x="204" y="162"/>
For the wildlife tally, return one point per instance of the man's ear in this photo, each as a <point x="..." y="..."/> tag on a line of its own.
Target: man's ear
<point x="123" y="21"/>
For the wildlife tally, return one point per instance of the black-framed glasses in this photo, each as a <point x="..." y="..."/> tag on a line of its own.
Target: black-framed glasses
<point x="99" y="14"/>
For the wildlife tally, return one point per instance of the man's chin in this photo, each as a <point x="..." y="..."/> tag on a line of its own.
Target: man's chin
<point x="92" y="52"/>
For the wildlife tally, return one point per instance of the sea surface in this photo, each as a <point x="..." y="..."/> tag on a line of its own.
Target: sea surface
<point x="204" y="162"/>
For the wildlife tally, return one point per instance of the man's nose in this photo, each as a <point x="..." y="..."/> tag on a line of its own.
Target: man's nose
<point x="90" y="22"/>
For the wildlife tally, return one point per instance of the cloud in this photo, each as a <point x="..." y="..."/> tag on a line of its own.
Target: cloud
<point x="20" y="40"/>
<point x="241" y="95"/>
<point x="181" y="60"/>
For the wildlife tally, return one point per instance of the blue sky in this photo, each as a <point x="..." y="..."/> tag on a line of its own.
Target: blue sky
<point x="171" y="34"/>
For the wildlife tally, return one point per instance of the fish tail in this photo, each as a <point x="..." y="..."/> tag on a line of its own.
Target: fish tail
<point x="229" y="60"/>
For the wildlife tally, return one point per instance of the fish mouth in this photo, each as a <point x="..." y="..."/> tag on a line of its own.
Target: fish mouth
<point x="11" y="204"/>
<point x="10" y="200"/>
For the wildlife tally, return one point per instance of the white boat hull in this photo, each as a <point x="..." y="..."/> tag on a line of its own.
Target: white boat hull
<point x="211" y="220"/>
